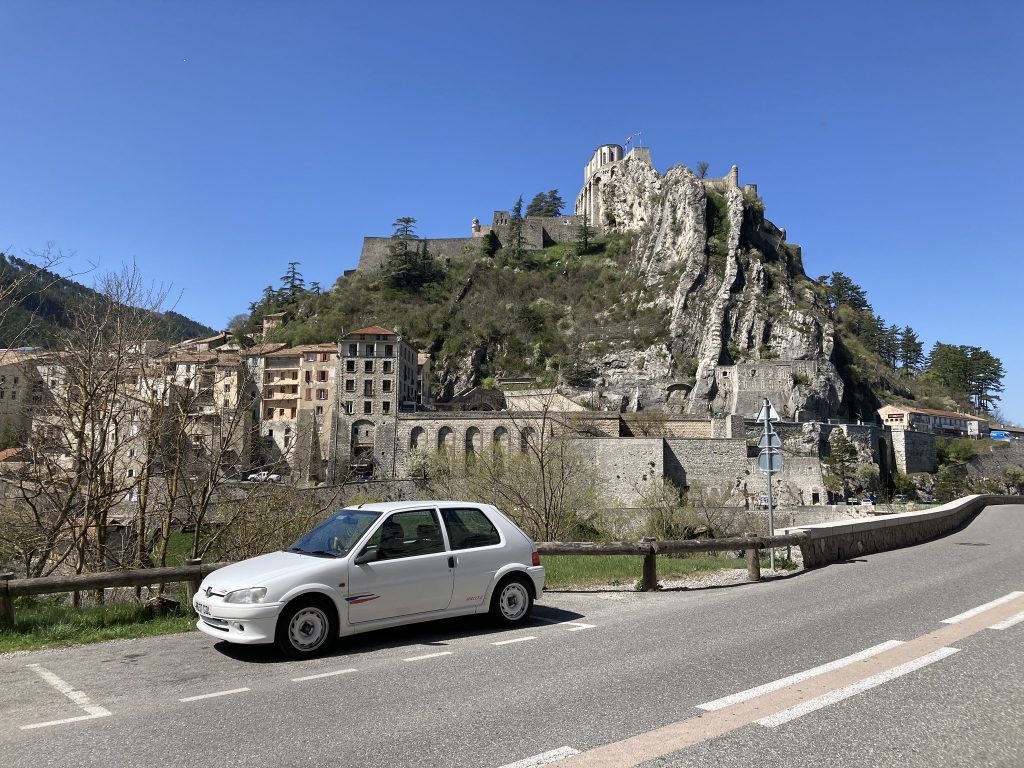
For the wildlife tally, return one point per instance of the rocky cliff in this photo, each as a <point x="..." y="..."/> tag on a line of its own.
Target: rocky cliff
<point x="734" y="292"/>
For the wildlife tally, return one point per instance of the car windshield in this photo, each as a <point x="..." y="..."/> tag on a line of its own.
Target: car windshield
<point x="336" y="536"/>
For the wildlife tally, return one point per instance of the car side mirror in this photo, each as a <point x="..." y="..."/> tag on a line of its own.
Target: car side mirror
<point x="366" y="556"/>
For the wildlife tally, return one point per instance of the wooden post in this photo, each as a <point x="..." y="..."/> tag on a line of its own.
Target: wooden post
<point x="192" y="585"/>
<point x="6" y="601"/>
<point x="753" y="561"/>
<point x="650" y="579"/>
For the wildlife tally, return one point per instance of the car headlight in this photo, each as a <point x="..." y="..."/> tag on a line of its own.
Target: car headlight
<point x="252" y="595"/>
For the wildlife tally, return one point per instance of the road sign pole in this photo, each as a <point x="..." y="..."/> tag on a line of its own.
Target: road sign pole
<point x="771" y="516"/>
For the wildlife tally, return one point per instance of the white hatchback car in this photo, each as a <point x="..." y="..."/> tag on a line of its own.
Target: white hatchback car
<point x="375" y="566"/>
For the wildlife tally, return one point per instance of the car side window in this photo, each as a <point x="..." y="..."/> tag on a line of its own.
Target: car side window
<point x="407" y="534"/>
<point x="468" y="528"/>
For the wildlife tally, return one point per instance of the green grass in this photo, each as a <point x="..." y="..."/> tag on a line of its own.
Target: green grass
<point x="572" y="571"/>
<point x="42" y="623"/>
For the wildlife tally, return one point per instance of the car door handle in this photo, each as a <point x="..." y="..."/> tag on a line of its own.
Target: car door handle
<point x="452" y="561"/>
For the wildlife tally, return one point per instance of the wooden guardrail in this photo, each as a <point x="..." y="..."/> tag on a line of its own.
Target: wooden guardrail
<point x="649" y="549"/>
<point x="193" y="571"/>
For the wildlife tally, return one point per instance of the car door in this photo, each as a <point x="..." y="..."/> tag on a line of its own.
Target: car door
<point x="478" y="550"/>
<point x="410" y="575"/>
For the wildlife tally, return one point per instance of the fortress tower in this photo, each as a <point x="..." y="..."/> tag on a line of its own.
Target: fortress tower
<point x="602" y="166"/>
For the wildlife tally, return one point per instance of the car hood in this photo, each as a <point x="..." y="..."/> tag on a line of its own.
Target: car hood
<point x="276" y="569"/>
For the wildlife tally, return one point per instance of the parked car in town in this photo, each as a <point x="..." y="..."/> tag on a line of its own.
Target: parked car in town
<point x="264" y="476"/>
<point x="375" y="566"/>
<point x="899" y="498"/>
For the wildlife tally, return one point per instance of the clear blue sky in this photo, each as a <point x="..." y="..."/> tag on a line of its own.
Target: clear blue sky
<point x="215" y="142"/>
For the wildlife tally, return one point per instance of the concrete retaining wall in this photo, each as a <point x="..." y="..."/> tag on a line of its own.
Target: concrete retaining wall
<point x="841" y="540"/>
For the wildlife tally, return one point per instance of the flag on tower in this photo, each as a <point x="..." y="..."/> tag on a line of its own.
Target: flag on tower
<point x="628" y="139"/>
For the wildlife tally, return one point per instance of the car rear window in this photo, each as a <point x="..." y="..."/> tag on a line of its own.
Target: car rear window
<point x="468" y="528"/>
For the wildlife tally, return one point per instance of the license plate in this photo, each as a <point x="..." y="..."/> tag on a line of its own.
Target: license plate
<point x="202" y="608"/>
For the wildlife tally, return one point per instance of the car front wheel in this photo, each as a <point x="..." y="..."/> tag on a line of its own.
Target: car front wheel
<point x="306" y="627"/>
<point x="512" y="601"/>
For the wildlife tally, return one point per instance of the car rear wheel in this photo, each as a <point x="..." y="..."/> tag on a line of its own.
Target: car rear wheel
<point x="512" y="601"/>
<point x="307" y="626"/>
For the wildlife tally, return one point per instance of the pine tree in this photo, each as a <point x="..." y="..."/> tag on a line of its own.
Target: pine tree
<point x="584" y="234"/>
<point x="911" y="351"/>
<point x="515" y="229"/>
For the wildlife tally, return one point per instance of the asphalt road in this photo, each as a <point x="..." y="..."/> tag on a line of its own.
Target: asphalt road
<point x="598" y="679"/>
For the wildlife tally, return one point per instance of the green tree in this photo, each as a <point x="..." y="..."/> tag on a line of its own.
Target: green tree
<point x="949" y="485"/>
<point x="702" y="169"/>
<point x="888" y="346"/>
<point x="911" y="351"/>
<point x="584" y="234"/>
<point x="515" y="229"/>
<point x="409" y="264"/>
<point x="489" y="244"/>
<point x="547" y="204"/>
<point x="292" y="283"/>
<point x="841" y="290"/>
<point x="1014" y="477"/>
<point x="841" y="462"/>
<point x="970" y="373"/>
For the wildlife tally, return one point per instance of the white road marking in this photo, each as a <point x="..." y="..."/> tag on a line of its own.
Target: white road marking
<point x="79" y="698"/>
<point x="428" y="656"/>
<point x="852" y="690"/>
<point x="324" y="674"/>
<point x="982" y="608"/>
<point x="1007" y="623"/>
<point x="577" y="624"/>
<point x="544" y="758"/>
<point x="752" y="693"/>
<point x="214" y="695"/>
<point x="515" y="640"/>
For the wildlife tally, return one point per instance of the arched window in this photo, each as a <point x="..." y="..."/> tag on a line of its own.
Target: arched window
<point x="474" y="441"/>
<point x="418" y="439"/>
<point x="500" y="439"/>
<point x="526" y="436"/>
<point x="445" y="438"/>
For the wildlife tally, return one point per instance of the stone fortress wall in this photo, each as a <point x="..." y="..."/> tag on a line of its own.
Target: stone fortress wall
<point x="914" y="451"/>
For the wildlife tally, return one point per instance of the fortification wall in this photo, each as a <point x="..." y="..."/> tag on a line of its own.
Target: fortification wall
<point x="375" y="249"/>
<point x="800" y="483"/>
<point x="743" y="387"/>
<point x="914" y="451"/>
<point x="706" y="462"/>
<point x="626" y="469"/>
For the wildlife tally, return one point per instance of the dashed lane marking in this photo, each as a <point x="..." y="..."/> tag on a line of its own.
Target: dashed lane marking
<point x="515" y="640"/>
<point x="428" y="656"/>
<point x="79" y="698"/>
<point x="753" y="693"/>
<point x="214" y="695"/>
<point x="784" y="704"/>
<point x="982" y="608"/>
<point x="324" y="674"/>
<point x="544" y="758"/>
<point x="867" y="683"/>
<point x="1009" y="622"/>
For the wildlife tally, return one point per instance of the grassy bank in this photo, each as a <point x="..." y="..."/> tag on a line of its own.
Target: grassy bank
<point x="43" y="623"/>
<point x="579" y="571"/>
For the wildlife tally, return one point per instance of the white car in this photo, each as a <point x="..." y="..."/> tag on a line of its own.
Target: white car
<point x="264" y="476"/>
<point x="376" y="566"/>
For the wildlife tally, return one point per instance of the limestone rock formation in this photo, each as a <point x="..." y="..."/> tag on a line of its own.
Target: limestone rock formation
<point x="742" y="313"/>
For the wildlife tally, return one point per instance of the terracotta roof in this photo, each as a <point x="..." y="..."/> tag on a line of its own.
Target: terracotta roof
<point x="10" y="453"/>
<point x="373" y="329"/>
<point x="264" y="349"/>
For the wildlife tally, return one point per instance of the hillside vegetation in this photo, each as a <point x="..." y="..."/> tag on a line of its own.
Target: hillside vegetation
<point x="37" y="303"/>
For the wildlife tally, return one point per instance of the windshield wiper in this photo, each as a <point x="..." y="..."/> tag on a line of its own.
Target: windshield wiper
<point x="313" y="552"/>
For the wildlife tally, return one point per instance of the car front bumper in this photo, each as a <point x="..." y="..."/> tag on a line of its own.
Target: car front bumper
<point x="241" y="623"/>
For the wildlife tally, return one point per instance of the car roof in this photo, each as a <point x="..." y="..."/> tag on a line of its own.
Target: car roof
<point x="391" y="506"/>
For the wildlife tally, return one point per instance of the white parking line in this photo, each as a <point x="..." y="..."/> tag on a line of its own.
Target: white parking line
<point x="214" y="695"/>
<point x="428" y="656"/>
<point x="1007" y="623"/>
<point x="852" y="690"/>
<point x="324" y="674"/>
<point x="752" y="693"/>
<point x="982" y="608"/>
<point x="515" y="640"/>
<point x="79" y="698"/>
<point x="544" y="758"/>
